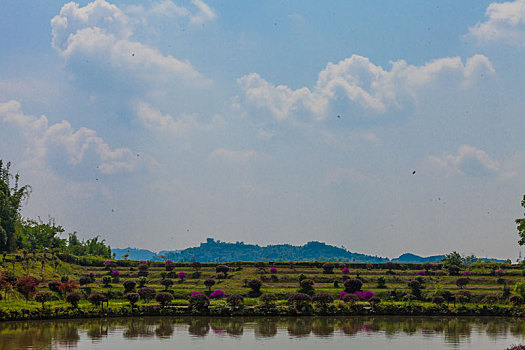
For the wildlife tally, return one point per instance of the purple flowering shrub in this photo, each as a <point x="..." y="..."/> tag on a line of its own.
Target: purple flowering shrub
<point x="217" y="294"/>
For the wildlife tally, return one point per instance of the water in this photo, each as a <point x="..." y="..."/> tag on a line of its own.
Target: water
<point x="301" y="333"/>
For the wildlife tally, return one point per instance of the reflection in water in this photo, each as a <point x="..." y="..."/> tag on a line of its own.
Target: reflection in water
<point x="67" y="334"/>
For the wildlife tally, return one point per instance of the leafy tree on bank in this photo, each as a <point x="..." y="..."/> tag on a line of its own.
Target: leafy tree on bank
<point x="453" y="258"/>
<point x="521" y="225"/>
<point x="11" y="198"/>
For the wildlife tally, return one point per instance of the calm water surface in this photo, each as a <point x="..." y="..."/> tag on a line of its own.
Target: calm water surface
<point x="265" y="333"/>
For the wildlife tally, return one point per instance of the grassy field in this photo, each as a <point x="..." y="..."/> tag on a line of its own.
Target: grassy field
<point x="486" y="281"/>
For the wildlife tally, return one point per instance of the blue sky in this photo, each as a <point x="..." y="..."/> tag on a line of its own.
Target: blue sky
<point x="158" y="124"/>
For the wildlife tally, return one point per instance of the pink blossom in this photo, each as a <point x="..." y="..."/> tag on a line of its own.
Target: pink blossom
<point x="345" y="271"/>
<point x="273" y="270"/>
<point x="217" y="294"/>
<point x="421" y="273"/>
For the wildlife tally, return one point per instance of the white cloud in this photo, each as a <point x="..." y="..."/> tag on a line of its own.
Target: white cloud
<point x="94" y="41"/>
<point x="469" y="160"/>
<point x="505" y="24"/>
<point x="235" y="156"/>
<point x="167" y="8"/>
<point x="204" y="14"/>
<point x="356" y="81"/>
<point x="153" y="119"/>
<point x="45" y="140"/>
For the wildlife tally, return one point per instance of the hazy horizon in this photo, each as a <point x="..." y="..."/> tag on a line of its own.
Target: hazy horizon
<point x="384" y="127"/>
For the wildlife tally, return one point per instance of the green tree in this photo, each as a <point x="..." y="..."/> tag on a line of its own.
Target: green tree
<point x="453" y="258"/>
<point x="521" y="225"/>
<point x="11" y="198"/>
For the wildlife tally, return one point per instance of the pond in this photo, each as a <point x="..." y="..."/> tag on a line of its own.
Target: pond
<point x="265" y="333"/>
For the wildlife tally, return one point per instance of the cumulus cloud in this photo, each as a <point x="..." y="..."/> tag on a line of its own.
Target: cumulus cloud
<point x="469" y="160"/>
<point x="356" y="81"/>
<point x="505" y="24"/>
<point x="153" y="119"/>
<point x="234" y="156"/>
<point x="45" y="139"/>
<point x="95" y="41"/>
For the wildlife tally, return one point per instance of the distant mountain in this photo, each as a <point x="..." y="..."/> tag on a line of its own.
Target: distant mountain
<point x="135" y="254"/>
<point x="217" y="251"/>
<point x="413" y="258"/>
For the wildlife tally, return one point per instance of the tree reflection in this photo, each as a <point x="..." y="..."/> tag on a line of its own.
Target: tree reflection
<point x="266" y="327"/>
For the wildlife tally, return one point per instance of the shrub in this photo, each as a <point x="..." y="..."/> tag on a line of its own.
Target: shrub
<point x="182" y="276"/>
<point x="106" y="280"/>
<point x="217" y="294"/>
<point x="345" y="271"/>
<point x="73" y="298"/>
<point x="299" y="299"/>
<point x="199" y="301"/>
<point x="115" y="273"/>
<point x="352" y="285"/>
<point x="463" y="296"/>
<point x="68" y="286"/>
<point x="142" y="281"/>
<point x="273" y="270"/>
<point x="364" y="296"/>
<point x="516" y="347"/>
<point x="235" y="300"/>
<point x="255" y="285"/>
<point x="421" y="273"/>
<point x="53" y="286"/>
<point x="350" y="298"/>
<point x="381" y="282"/>
<point x="519" y="288"/>
<point x="374" y="300"/>
<point x="307" y="286"/>
<point x="26" y="286"/>
<point x="84" y="281"/>
<point x="322" y="298"/>
<point x="222" y="269"/>
<point x="210" y="282"/>
<point x="328" y="268"/>
<point x="260" y="266"/>
<point x="409" y="297"/>
<point x="268" y="298"/>
<point x="438" y="300"/>
<point x="146" y="293"/>
<point x="132" y="298"/>
<point x="166" y="283"/>
<point x="129" y="286"/>
<point x="169" y="265"/>
<point x="516" y="300"/>
<point x="143" y="266"/>
<point x="97" y="298"/>
<point x="462" y="282"/>
<point x="453" y="270"/>
<point x="164" y="298"/>
<point x="499" y="272"/>
<point x="43" y="297"/>
<point x="110" y="265"/>
<point x="196" y="265"/>
<point x="415" y="286"/>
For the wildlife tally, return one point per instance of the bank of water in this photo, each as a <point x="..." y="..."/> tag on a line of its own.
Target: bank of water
<point x="379" y="332"/>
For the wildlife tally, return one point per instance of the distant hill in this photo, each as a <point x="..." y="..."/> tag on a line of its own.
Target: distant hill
<point x="412" y="258"/>
<point x="217" y="251"/>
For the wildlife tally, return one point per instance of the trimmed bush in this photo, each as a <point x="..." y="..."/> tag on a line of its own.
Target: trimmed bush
<point x="210" y="282"/>
<point x="166" y="283"/>
<point x="147" y="293"/>
<point x="222" y="269"/>
<point x="255" y="285"/>
<point x="132" y="298"/>
<point x="322" y="298"/>
<point x="235" y="300"/>
<point x="169" y="265"/>
<point x="352" y="285"/>
<point x="129" y="286"/>
<point x="217" y="294"/>
<point x="328" y="268"/>
<point x="163" y="298"/>
<point x="462" y="282"/>
<point x="97" y="298"/>
<point x="268" y="298"/>
<point x="43" y="297"/>
<point x="299" y="300"/>
<point x="199" y="301"/>
<point x="73" y="298"/>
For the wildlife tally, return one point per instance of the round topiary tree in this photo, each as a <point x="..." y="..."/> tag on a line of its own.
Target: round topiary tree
<point x="199" y="302"/>
<point x="462" y="282"/>
<point x="236" y="301"/>
<point x="217" y="294"/>
<point x="516" y="300"/>
<point x="222" y="269"/>
<point x="147" y="293"/>
<point x="322" y="299"/>
<point x="352" y="285"/>
<point x="129" y="286"/>
<point x="166" y="283"/>
<point x="164" y="298"/>
<point x="300" y="300"/>
<point x="255" y="286"/>
<point x="307" y="286"/>
<point x="97" y="299"/>
<point x="73" y="298"/>
<point x="210" y="282"/>
<point x="85" y="281"/>
<point x="43" y="297"/>
<point x="438" y="300"/>
<point x="169" y="265"/>
<point x="132" y="297"/>
<point x="328" y="268"/>
<point x="268" y="298"/>
<point x="349" y="298"/>
<point x="415" y="286"/>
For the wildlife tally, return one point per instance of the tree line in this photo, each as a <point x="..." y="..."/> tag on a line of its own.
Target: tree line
<point x="19" y="233"/>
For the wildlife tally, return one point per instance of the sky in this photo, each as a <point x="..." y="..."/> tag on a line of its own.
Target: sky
<point x="383" y="127"/>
